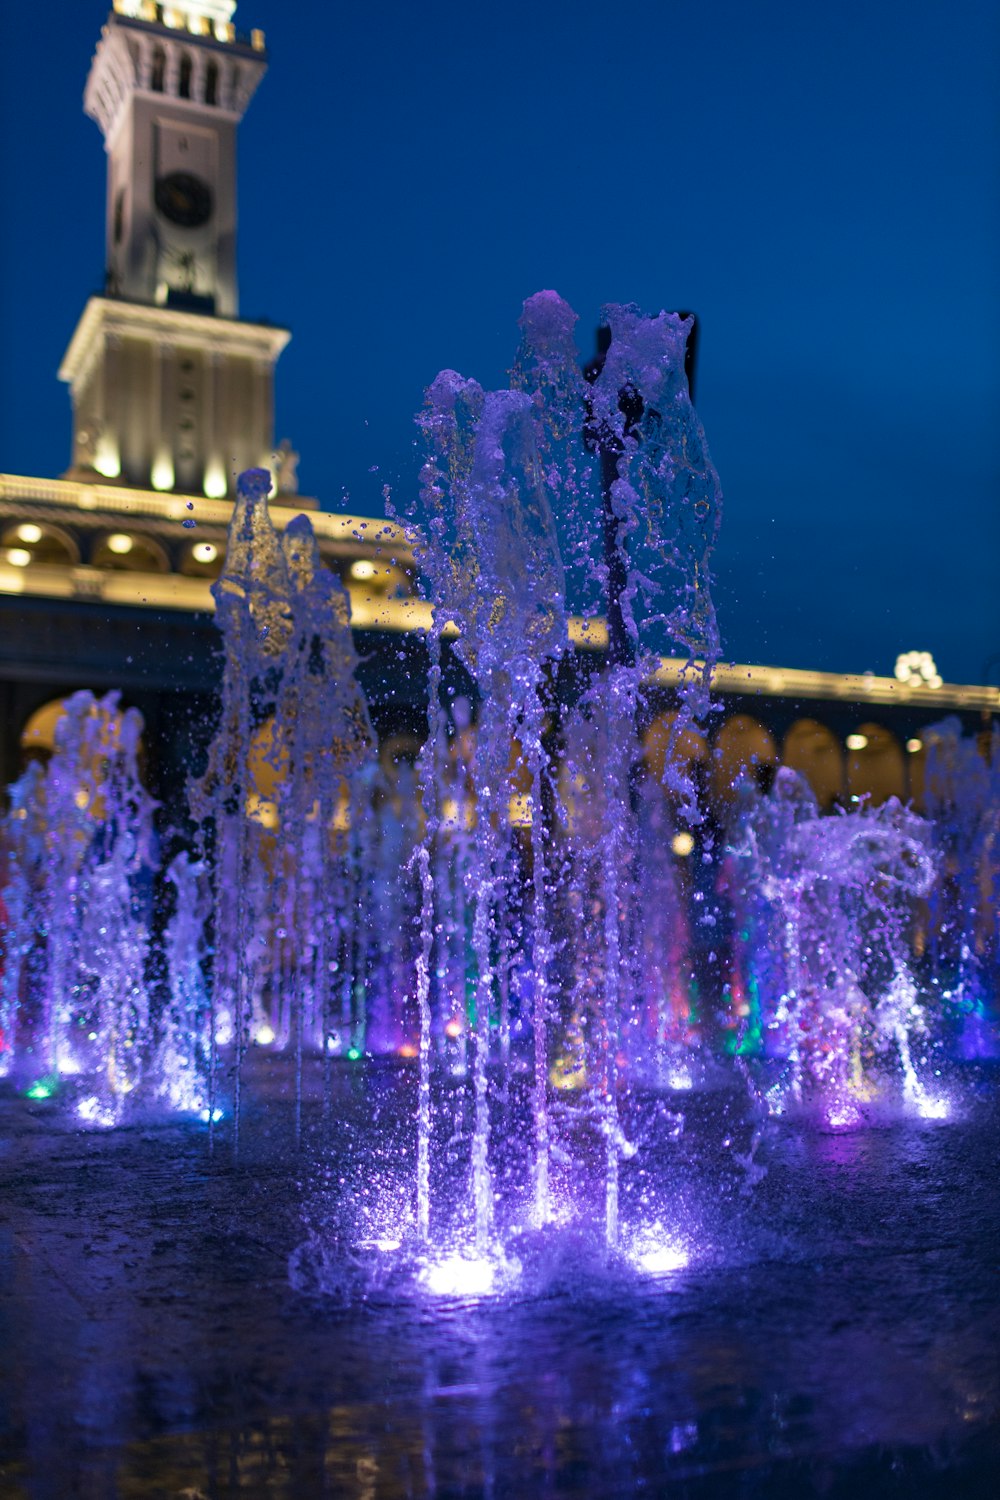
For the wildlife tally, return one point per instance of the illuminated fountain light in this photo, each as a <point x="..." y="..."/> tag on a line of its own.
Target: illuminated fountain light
<point x="223" y="1028"/>
<point x="67" y="1065"/>
<point x="384" y="1243"/>
<point x="929" y="1107"/>
<point x="843" y="1115"/>
<point x="460" y="1276"/>
<point x="42" y="1088"/>
<point x="657" y="1253"/>
<point x="468" y="1275"/>
<point x="93" y="1112"/>
<point x="215" y="1116"/>
<point x="264" y="1035"/>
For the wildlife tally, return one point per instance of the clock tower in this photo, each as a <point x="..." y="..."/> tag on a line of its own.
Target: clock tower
<point x="171" y="389"/>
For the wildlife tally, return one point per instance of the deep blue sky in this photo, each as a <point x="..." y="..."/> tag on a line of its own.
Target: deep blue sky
<point x="818" y="182"/>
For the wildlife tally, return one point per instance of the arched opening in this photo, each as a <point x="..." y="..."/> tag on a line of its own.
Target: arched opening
<point x="814" y="751"/>
<point x="184" y="76"/>
<point x="129" y="552"/>
<point x="875" y="765"/>
<point x="916" y="768"/>
<point x="519" y="780"/>
<point x="744" y="751"/>
<point x="266" y="771"/>
<point x="105" y="721"/>
<point x="665" y="743"/>
<point x="158" y="71"/>
<point x="34" y="544"/>
<point x="212" y="83"/>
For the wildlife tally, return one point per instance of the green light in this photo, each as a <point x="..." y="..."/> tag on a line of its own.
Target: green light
<point x="43" y="1088"/>
<point x="353" y="1053"/>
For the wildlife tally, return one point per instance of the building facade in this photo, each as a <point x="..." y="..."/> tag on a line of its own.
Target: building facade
<point x="105" y="573"/>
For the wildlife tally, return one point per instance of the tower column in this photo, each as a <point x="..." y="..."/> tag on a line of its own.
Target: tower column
<point x="107" y="449"/>
<point x="161" y="413"/>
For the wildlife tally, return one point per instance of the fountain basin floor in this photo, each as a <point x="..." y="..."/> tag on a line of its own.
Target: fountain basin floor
<point x="835" y="1333"/>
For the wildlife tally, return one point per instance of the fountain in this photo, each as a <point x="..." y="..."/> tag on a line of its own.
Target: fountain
<point x="509" y="927"/>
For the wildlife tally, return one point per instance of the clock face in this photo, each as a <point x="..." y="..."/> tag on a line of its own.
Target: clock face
<point x="184" y="199"/>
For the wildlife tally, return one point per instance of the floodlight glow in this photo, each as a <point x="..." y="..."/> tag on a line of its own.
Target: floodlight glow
<point x="362" y="569"/>
<point x="30" y="533"/>
<point x="204" y="552"/>
<point x="264" y="1035"/>
<point x="215" y="483"/>
<point x="216" y="1116"/>
<point x="162" y="473"/>
<point x="120" y="543"/>
<point x="857" y="741"/>
<point x="18" y="557"/>
<point x="42" y="1088"/>
<point x="682" y="843"/>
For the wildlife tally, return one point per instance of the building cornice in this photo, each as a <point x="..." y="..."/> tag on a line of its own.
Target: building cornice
<point x="848" y="687"/>
<point x="357" y="534"/>
<point x="113" y="317"/>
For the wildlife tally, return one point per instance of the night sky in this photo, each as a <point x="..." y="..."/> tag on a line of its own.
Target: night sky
<point x="819" y="183"/>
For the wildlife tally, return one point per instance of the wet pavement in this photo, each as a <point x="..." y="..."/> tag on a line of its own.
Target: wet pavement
<point x="836" y="1333"/>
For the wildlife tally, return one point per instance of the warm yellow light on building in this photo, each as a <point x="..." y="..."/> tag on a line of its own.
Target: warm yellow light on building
<point x="30" y="533"/>
<point x="162" y="476"/>
<point x="914" y="746"/>
<point x="362" y="569"/>
<point x="107" y="459"/>
<point x="519" y="811"/>
<point x="120" y="543"/>
<point x="204" y="552"/>
<point x="682" y="843"/>
<point x="917" y="668"/>
<point x="18" y="557"/>
<point x="856" y="741"/>
<point x="215" y="484"/>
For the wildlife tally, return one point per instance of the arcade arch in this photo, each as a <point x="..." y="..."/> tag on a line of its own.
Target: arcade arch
<point x="743" y="751"/>
<point x="814" y="751"/>
<point x="876" y="768"/>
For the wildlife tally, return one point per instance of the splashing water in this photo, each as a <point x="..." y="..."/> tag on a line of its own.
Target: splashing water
<point x="536" y="921"/>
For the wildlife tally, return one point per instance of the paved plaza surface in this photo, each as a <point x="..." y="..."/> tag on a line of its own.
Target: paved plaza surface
<point x="175" y="1323"/>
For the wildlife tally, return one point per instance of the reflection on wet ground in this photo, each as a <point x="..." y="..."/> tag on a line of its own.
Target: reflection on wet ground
<point x="836" y="1333"/>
